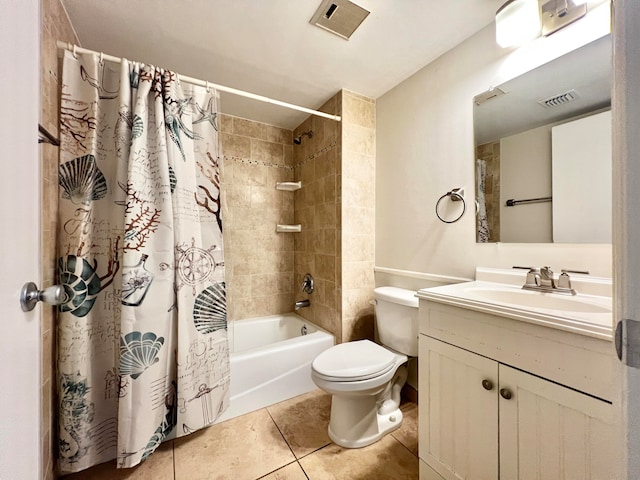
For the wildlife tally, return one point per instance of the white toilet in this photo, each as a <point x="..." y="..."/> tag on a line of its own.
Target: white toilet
<point x="365" y="378"/>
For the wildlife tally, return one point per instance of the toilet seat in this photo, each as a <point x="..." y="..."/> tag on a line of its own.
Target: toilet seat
<point x="354" y="361"/>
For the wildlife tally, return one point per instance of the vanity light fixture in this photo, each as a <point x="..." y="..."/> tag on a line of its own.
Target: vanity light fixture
<point x="517" y="21"/>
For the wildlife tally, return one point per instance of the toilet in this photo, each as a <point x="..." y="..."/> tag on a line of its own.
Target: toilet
<point x="365" y="378"/>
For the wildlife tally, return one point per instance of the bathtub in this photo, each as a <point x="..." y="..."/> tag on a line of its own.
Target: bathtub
<point x="271" y="360"/>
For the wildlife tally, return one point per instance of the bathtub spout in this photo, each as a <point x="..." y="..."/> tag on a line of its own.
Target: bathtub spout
<point x="302" y="303"/>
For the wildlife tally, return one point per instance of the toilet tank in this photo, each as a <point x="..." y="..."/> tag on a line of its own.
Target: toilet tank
<point x="397" y="319"/>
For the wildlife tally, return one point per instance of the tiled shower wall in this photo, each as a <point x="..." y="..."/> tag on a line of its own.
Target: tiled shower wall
<point x="55" y="25"/>
<point x="358" y="215"/>
<point x="317" y="209"/>
<point x="336" y="208"/>
<point x="258" y="261"/>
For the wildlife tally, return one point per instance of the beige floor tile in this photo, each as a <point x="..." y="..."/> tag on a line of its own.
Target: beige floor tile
<point x="303" y="421"/>
<point x="158" y="466"/>
<point x="407" y="434"/>
<point x="243" y="448"/>
<point x="293" y="471"/>
<point x="385" y="459"/>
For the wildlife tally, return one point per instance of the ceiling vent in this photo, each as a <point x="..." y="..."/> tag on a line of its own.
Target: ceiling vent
<point x="340" y="17"/>
<point x="560" y="99"/>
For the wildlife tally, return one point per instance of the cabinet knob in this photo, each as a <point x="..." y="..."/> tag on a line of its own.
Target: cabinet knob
<point x="487" y="384"/>
<point x="506" y="393"/>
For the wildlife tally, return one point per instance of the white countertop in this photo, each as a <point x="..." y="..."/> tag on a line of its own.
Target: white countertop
<point x="586" y="313"/>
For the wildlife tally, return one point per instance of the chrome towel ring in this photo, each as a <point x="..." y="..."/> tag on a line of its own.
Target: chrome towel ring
<point x="456" y="195"/>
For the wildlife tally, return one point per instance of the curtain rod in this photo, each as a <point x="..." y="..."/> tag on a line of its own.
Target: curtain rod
<point x="183" y="78"/>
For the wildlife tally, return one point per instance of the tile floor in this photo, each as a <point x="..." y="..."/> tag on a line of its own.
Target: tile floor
<point x="286" y="441"/>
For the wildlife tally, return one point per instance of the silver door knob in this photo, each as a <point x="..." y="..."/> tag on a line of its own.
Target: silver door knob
<point x="30" y="295"/>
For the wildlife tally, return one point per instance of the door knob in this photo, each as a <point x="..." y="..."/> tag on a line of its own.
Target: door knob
<point x="506" y="393"/>
<point x="487" y="384"/>
<point x="30" y="295"/>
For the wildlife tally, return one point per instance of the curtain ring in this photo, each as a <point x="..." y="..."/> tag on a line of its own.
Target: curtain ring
<point x="451" y="194"/>
<point x="207" y="86"/>
<point x="101" y="58"/>
<point x="75" y="53"/>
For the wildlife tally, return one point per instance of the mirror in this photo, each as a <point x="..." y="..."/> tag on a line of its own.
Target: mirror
<point x="543" y="152"/>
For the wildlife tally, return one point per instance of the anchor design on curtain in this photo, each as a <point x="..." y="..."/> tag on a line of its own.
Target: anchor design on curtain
<point x="139" y="218"/>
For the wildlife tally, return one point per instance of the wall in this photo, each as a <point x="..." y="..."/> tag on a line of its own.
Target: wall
<point x="318" y="248"/>
<point x="258" y="261"/>
<point x="525" y="172"/>
<point x="336" y="208"/>
<point x="55" y="25"/>
<point x="425" y="148"/>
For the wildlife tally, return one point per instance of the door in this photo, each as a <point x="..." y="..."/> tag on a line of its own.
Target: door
<point x="459" y="408"/>
<point x="19" y="258"/>
<point x="550" y="431"/>
<point x="625" y="106"/>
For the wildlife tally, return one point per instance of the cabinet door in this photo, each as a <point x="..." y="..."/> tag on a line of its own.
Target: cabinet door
<point x="548" y="431"/>
<point x="458" y="415"/>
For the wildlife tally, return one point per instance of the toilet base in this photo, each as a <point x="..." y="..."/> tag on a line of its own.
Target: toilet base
<point x="382" y="425"/>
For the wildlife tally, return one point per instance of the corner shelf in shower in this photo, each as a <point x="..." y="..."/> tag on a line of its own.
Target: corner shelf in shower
<point x="288" y="228"/>
<point x="288" y="186"/>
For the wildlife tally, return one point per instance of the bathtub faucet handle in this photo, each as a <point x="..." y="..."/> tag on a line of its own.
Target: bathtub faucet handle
<point x="307" y="284"/>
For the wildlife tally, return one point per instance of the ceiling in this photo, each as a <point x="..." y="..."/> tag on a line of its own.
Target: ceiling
<point x="268" y="47"/>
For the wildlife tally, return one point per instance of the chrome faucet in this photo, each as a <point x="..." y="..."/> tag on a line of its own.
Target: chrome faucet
<point x="302" y="303"/>
<point x="542" y="280"/>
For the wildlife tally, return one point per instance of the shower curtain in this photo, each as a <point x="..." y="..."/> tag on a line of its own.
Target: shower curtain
<point x="142" y="335"/>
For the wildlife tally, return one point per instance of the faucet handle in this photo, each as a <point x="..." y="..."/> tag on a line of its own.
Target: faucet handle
<point x="533" y="277"/>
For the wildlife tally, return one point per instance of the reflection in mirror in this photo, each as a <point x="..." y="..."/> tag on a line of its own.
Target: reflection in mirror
<point x="543" y="152"/>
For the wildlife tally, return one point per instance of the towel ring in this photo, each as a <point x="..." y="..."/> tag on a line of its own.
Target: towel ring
<point x="459" y="197"/>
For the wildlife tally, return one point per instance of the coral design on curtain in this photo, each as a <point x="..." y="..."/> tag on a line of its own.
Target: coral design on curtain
<point x="142" y="338"/>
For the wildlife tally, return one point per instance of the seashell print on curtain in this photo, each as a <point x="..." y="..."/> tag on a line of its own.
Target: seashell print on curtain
<point x="142" y="337"/>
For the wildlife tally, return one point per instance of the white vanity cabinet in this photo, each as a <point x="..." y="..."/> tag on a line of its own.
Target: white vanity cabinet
<point x="504" y="399"/>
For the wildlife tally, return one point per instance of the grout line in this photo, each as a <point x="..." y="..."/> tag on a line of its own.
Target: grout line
<point x="407" y="448"/>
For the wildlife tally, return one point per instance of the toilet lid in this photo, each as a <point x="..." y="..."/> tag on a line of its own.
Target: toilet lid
<point x="354" y="361"/>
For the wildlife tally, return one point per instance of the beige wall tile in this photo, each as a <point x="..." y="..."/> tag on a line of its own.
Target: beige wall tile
<point x="225" y="123"/>
<point x="235" y="145"/>
<point x="359" y="110"/>
<point x="267" y="152"/>
<point x="249" y="128"/>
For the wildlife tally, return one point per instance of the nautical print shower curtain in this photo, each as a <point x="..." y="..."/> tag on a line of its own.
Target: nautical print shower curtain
<point x="142" y="336"/>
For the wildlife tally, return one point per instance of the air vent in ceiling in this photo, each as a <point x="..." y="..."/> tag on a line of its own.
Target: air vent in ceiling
<point x="340" y="17"/>
<point x="559" y="99"/>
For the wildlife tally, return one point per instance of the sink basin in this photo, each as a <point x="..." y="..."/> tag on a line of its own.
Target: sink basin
<point x="536" y="300"/>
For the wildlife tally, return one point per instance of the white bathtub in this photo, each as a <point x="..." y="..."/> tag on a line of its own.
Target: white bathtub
<point x="271" y="360"/>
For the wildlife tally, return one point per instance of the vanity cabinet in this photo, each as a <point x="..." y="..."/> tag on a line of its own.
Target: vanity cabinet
<point x="493" y="407"/>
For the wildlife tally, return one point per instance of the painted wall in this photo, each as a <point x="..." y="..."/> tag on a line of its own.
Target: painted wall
<point x="425" y="147"/>
<point x="525" y="172"/>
